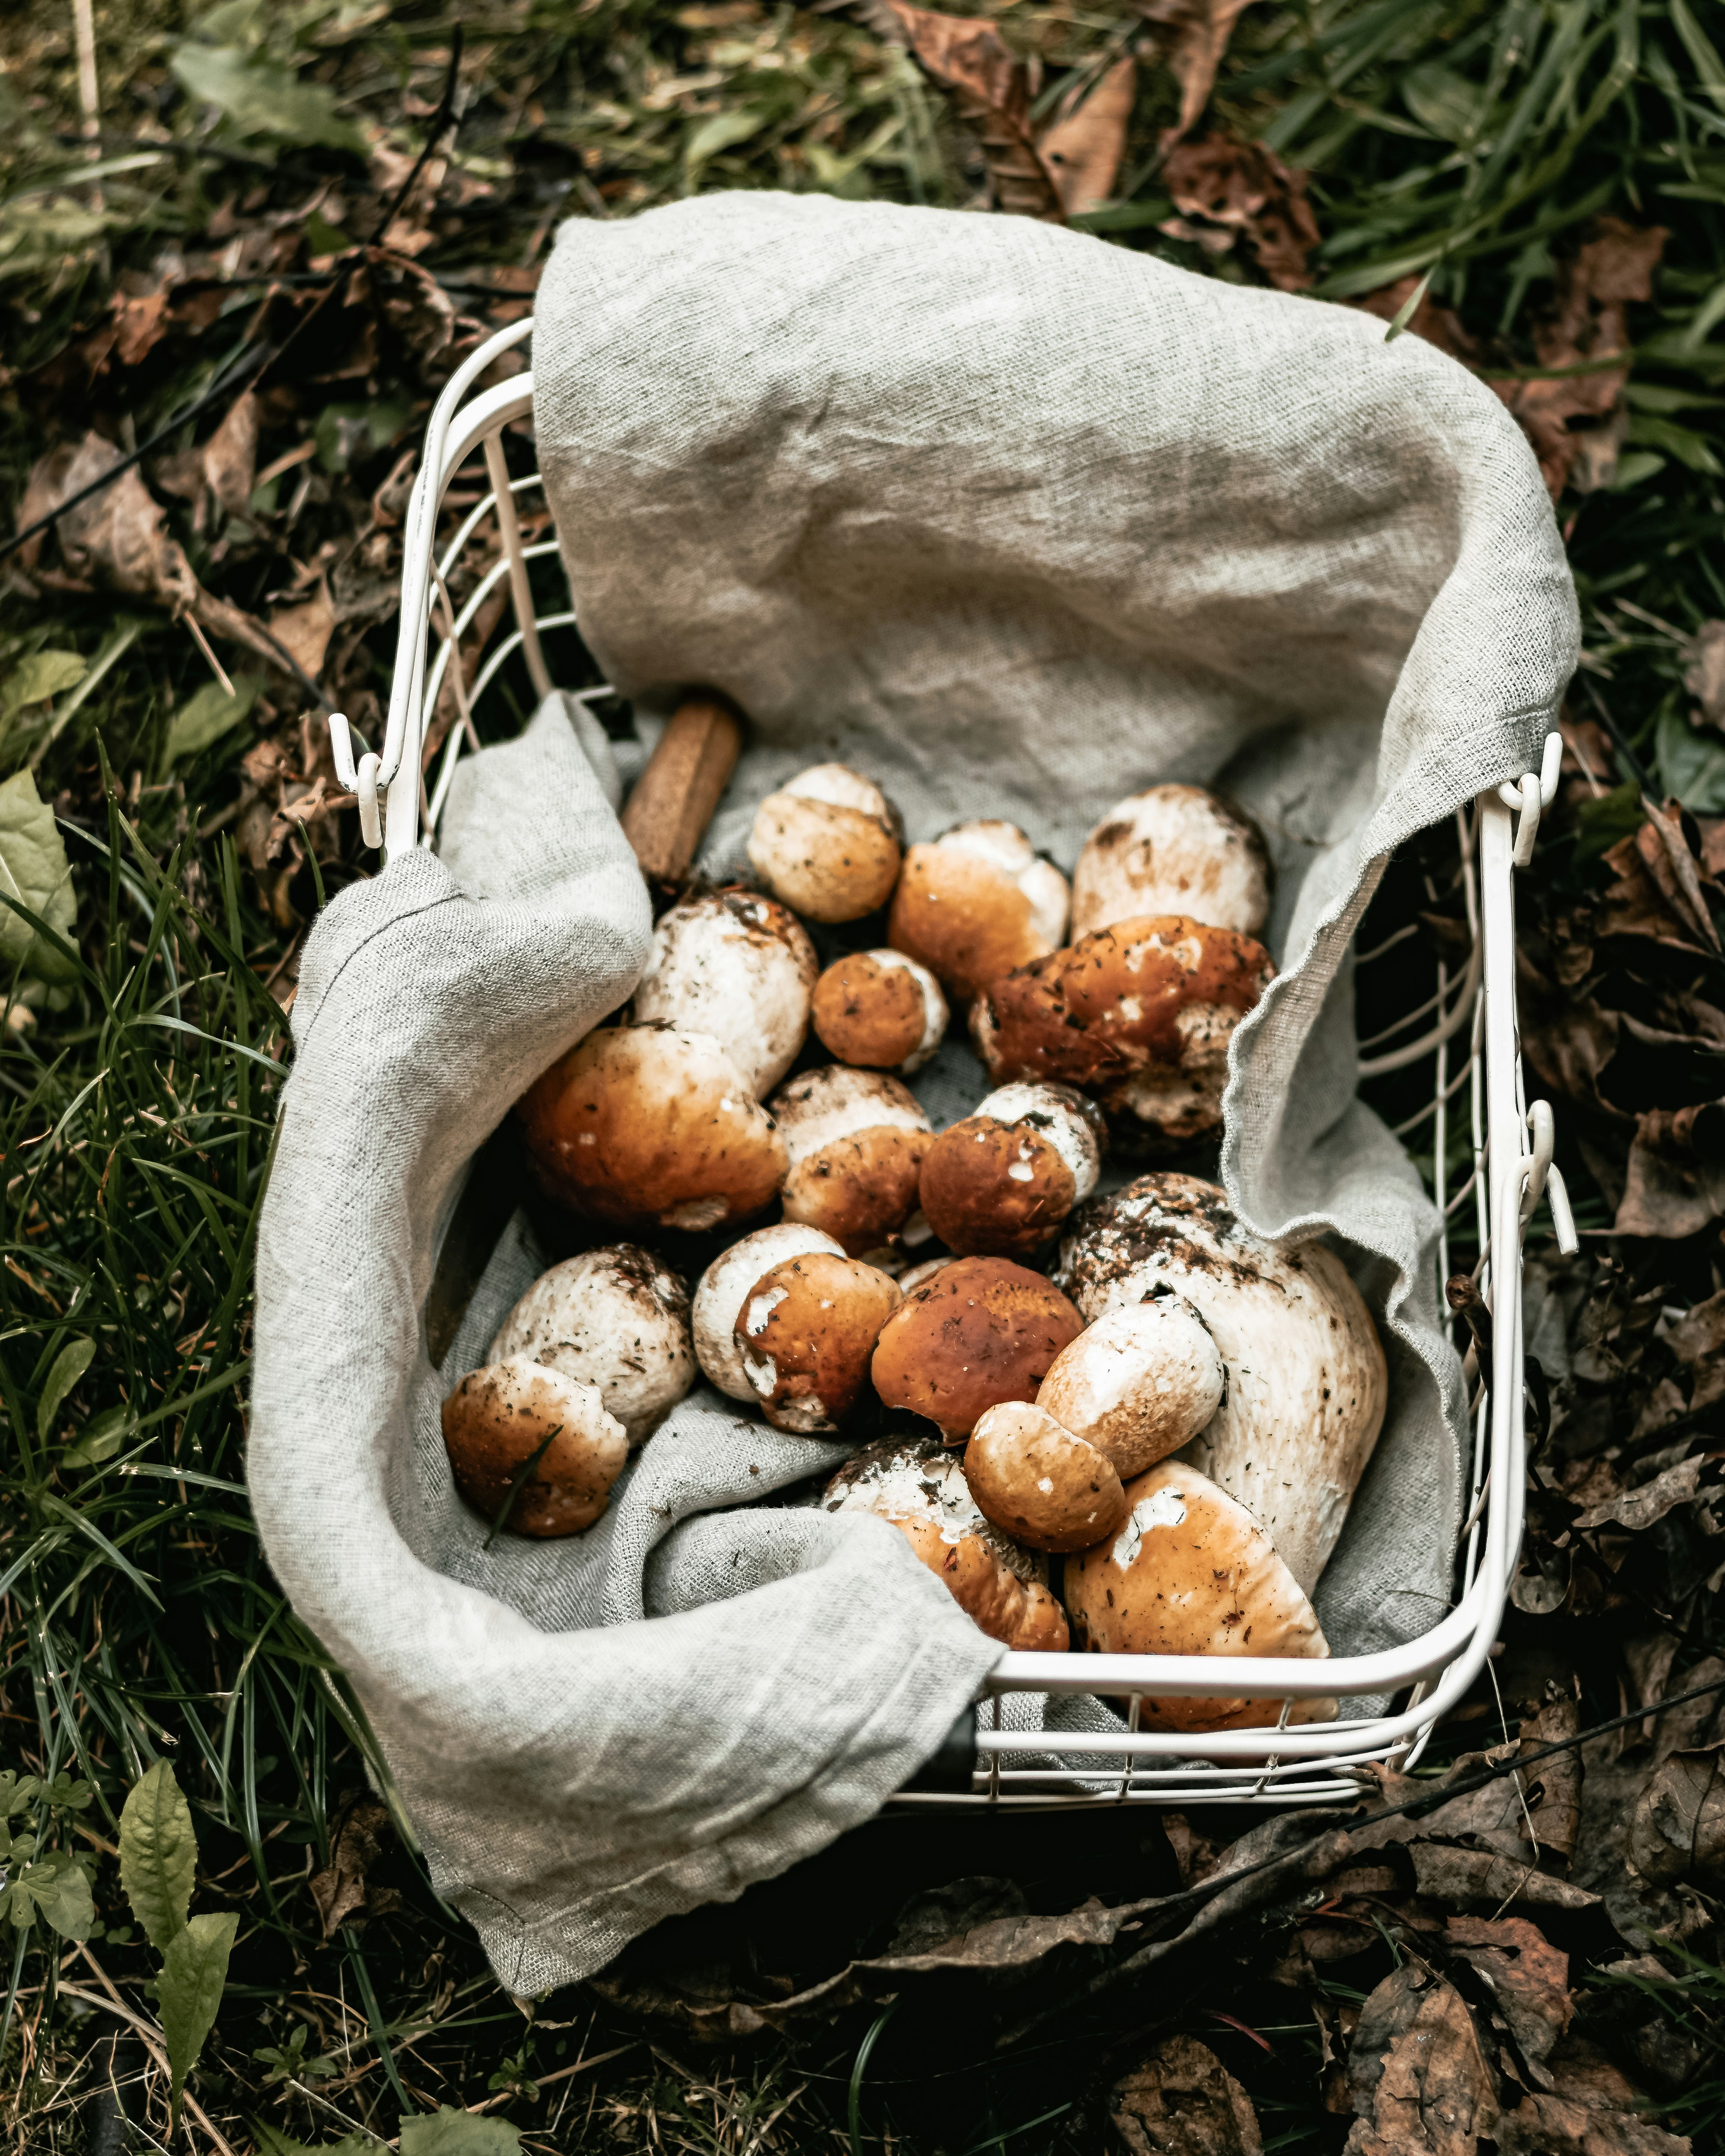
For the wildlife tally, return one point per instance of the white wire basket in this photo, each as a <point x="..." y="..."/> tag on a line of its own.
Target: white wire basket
<point x="1470" y="1037"/>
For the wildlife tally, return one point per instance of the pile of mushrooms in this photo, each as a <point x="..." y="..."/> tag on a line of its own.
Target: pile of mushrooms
<point x="1121" y="1422"/>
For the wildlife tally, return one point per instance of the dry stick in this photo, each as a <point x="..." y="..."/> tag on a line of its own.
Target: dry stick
<point x="562" y="2074"/>
<point x="89" y="91"/>
<point x="1441" y="1794"/>
<point x="673" y="802"/>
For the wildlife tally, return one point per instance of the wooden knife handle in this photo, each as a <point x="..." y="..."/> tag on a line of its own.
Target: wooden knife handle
<point x="672" y="801"/>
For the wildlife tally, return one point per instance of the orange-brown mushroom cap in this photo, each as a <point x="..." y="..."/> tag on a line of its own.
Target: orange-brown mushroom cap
<point x="805" y="1333"/>
<point x="975" y="903"/>
<point x="982" y="1331"/>
<point x="500" y="1417"/>
<point x="1041" y="1484"/>
<point x="879" y="1010"/>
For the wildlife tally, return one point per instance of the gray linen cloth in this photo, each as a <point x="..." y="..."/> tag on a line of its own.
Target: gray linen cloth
<point x="1016" y="521"/>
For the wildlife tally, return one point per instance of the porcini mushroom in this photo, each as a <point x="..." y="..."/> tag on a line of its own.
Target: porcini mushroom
<point x="1139" y="1383"/>
<point x="739" y="967"/>
<point x="805" y="1333"/>
<point x="1172" y="849"/>
<point x="526" y="1424"/>
<point x="615" y="1318"/>
<point x="982" y="1331"/>
<point x="724" y="1286"/>
<point x="1140" y="1015"/>
<point x="829" y="842"/>
<point x="1001" y="1183"/>
<point x="1306" y="1381"/>
<point x="854" y="1141"/>
<point x="919" y="1488"/>
<point x="975" y="903"/>
<point x="643" y="1126"/>
<point x="1191" y="1572"/>
<point x="1041" y="1484"/>
<point x="879" y="1010"/>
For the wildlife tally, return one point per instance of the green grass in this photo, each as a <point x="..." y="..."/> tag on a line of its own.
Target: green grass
<point x="136" y="1108"/>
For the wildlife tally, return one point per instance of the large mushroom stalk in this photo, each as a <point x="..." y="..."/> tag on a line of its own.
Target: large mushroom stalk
<point x="1307" y="1384"/>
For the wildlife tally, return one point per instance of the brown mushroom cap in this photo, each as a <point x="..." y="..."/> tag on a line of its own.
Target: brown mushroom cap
<point x="1001" y="1183"/>
<point x="1191" y="1573"/>
<point x="976" y="903"/>
<point x="1172" y="849"/>
<point x="1306" y="1381"/>
<point x="805" y="1333"/>
<point x="912" y="1482"/>
<point x="828" y="843"/>
<point x="1039" y="1482"/>
<point x="499" y="1417"/>
<point x="737" y="967"/>
<point x="642" y="1125"/>
<point x="1139" y="1014"/>
<point x="615" y="1318"/>
<point x="854" y="1141"/>
<point x="1139" y="1383"/>
<point x="723" y="1287"/>
<point x="982" y="1331"/>
<point x="879" y="1010"/>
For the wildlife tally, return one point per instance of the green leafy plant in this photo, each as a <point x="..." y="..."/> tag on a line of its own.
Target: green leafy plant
<point x="53" y="1883"/>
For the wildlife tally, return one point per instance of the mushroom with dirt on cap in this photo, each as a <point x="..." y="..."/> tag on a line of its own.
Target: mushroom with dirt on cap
<point x="976" y="903"/>
<point x="983" y="1330"/>
<point x="1174" y="849"/>
<point x="829" y="843"/>
<point x="805" y="1333"/>
<point x="1042" y="1485"/>
<point x="739" y="968"/>
<point x="854" y="1141"/>
<point x="645" y="1126"/>
<point x="912" y="1482"/>
<point x="723" y="1289"/>
<point x="615" y="1318"/>
<point x="1001" y="1183"/>
<point x="528" y="1437"/>
<point x="879" y="1010"/>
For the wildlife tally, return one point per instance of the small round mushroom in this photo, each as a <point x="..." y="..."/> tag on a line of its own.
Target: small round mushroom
<point x="975" y="903"/>
<point x="879" y="1010"/>
<point x="1172" y="849"/>
<point x="910" y="1481"/>
<point x="1191" y="1572"/>
<point x="1001" y="1183"/>
<point x="615" y="1318"/>
<point x="828" y="843"/>
<point x="1041" y="1484"/>
<point x="805" y="1333"/>
<point x="723" y="1288"/>
<point x="739" y="967"/>
<point x="643" y="1126"/>
<point x="1306" y="1380"/>
<point x="855" y="1140"/>
<point x="511" y="1416"/>
<point x="1141" y="1381"/>
<point x="1139" y="1014"/>
<point x="982" y="1331"/>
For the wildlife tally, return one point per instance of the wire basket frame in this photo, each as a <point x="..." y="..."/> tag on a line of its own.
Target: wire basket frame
<point x="1471" y="1038"/>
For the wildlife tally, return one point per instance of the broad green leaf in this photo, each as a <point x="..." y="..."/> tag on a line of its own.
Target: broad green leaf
<point x="1691" y="763"/>
<point x="720" y="131"/>
<point x="194" y="1970"/>
<point x="61" y="1890"/>
<point x="158" y="1855"/>
<point x="67" y="1367"/>
<point x="446" y="2133"/>
<point x="16" y="1791"/>
<point x="260" y="99"/>
<point x="43" y="674"/>
<point x="271" y="2141"/>
<point x="35" y="870"/>
<point x="202" y="720"/>
<point x="100" y="1439"/>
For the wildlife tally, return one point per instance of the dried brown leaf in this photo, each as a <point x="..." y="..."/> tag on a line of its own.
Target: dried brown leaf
<point x="1198" y="35"/>
<point x="1443" y="1873"/>
<point x="1592" y="2110"/>
<point x="230" y="458"/>
<point x="305" y="631"/>
<point x="1677" y="1829"/>
<point x="340" y="1890"/>
<point x="1528" y="1978"/>
<point x="1422" y="2086"/>
<point x="1640" y="1507"/>
<point x="139" y="324"/>
<point x="120" y="534"/>
<point x="1676" y="1180"/>
<point x="1182" y="2100"/>
<point x="969" y="57"/>
<point x="1241" y="186"/>
<point x="1704" y="675"/>
<point x="1083" y="148"/>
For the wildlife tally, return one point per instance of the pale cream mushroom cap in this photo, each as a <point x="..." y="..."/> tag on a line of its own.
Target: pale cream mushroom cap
<point x="975" y="903"/>
<point x="1307" y="1380"/>
<point x="1172" y="849"/>
<point x="1139" y="1383"/>
<point x="855" y="1141"/>
<point x="721" y="1292"/>
<point x="1191" y="1572"/>
<point x="615" y="1318"/>
<point x="829" y="843"/>
<point x="498" y="1417"/>
<point x="737" y="966"/>
<point x="1039" y="1482"/>
<point x="922" y="1490"/>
